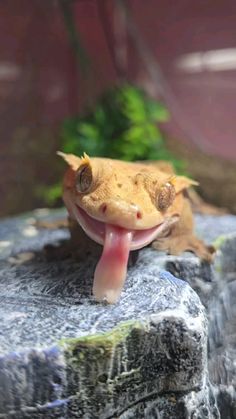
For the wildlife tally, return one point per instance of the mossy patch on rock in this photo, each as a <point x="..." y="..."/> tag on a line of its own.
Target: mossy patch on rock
<point x="220" y="241"/>
<point x="107" y="339"/>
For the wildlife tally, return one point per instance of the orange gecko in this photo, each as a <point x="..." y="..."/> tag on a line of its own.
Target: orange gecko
<point x="125" y="206"/>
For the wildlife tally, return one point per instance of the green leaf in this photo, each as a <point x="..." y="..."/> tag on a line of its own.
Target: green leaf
<point x="123" y="124"/>
<point x="50" y="194"/>
<point x="157" y="111"/>
<point x="88" y="131"/>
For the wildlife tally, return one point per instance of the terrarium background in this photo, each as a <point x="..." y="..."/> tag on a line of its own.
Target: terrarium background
<point x="40" y="83"/>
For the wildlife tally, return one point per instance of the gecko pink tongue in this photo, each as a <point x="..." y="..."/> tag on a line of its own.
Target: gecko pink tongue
<point x="111" y="269"/>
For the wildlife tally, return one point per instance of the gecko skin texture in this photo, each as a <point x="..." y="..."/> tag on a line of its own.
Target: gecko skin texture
<point x="125" y="206"/>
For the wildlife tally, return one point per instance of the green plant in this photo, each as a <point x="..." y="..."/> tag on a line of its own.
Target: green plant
<point x="122" y="125"/>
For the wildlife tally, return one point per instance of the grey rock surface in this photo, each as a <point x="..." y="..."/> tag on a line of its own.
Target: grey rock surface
<point x="222" y="329"/>
<point x="63" y="355"/>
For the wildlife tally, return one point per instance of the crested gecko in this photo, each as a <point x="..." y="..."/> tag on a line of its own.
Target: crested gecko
<point x="125" y="206"/>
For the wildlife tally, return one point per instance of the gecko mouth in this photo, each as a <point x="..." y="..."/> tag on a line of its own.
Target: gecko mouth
<point x="97" y="230"/>
<point x="117" y="241"/>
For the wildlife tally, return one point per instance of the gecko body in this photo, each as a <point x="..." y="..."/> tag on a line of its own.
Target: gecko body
<point x="125" y="206"/>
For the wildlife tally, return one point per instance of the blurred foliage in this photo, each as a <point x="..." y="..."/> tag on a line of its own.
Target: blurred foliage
<point x="123" y="125"/>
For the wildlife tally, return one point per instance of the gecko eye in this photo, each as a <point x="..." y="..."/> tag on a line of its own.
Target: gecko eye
<point x="166" y="196"/>
<point x="84" y="178"/>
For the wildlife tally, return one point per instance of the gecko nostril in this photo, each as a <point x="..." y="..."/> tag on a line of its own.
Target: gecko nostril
<point x="103" y="208"/>
<point x="139" y="214"/>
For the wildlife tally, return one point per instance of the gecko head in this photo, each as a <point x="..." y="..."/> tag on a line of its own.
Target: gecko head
<point x="129" y="204"/>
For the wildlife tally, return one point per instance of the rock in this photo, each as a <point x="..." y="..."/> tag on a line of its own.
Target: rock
<point x="64" y="355"/>
<point x="222" y="328"/>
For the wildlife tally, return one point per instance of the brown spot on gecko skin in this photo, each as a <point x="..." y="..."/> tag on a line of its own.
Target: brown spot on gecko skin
<point x="139" y="215"/>
<point x="119" y="185"/>
<point x="103" y="208"/>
